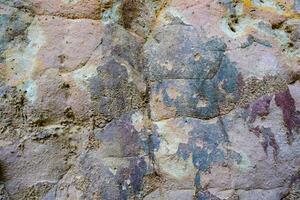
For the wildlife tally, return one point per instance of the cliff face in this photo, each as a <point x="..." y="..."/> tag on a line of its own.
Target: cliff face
<point x="150" y="99"/>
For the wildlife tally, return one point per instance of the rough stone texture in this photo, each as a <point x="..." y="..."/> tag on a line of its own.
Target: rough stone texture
<point x="150" y="99"/>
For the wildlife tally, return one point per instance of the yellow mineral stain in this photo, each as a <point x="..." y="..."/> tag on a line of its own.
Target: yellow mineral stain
<point x="287" y="9"/>
<point x="163" y="4"/>
<point x="247" y="3"/>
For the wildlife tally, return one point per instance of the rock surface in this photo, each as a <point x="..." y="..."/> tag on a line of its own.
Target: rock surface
<point x="150" y="99"/>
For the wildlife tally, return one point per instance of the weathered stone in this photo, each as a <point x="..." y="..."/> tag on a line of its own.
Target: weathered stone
<point x="64" y="8"/>
<point x="147" y="99"/>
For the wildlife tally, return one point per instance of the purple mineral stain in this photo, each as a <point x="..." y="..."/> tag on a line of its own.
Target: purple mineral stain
<point x="291" y="116"/>
<point x="256" y="130"/>
<point x="268" y="139"/>
<point x="260" y="107"/>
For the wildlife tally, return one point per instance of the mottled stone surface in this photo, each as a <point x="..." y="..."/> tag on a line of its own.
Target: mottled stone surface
<point x="150" y="99"/>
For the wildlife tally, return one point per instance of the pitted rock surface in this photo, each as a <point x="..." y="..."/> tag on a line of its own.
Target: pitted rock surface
<point x="150" y="99"/>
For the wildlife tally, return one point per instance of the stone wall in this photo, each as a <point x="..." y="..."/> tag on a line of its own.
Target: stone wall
<point x="150" y="99"/>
